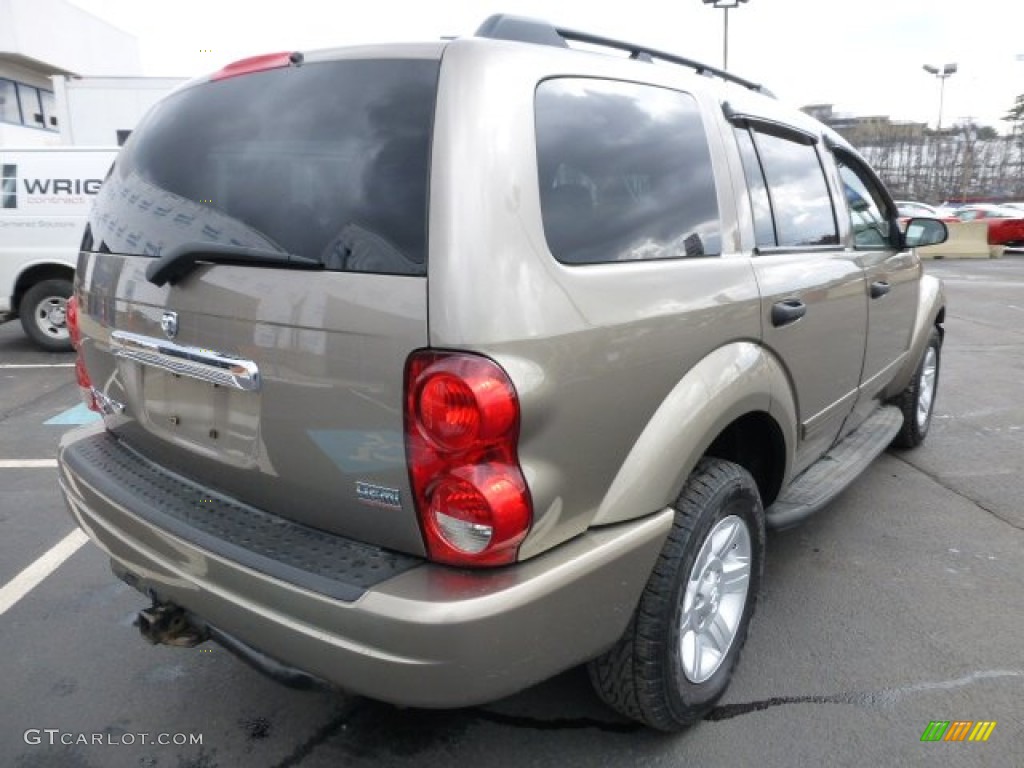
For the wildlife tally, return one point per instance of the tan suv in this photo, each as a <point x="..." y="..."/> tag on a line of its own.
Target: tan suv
<point x="433" y="370"/>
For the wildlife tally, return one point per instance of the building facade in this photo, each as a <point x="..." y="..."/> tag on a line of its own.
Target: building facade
<point x="40" y="39"/>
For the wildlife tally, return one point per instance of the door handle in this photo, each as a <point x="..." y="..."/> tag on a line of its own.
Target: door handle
<point x="879" y="289"/>
<point x="788" y="311"/>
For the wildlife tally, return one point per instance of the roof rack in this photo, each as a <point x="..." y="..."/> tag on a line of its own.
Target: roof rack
<point x="503" y="26"/>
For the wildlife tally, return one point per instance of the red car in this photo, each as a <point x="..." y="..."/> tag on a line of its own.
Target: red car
<point x="1005" y="225"/>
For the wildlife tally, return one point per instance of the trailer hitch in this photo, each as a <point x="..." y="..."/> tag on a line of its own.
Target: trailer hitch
<point x="168" y="624"/>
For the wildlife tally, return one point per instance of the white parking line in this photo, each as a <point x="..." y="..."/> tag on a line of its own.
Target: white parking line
<point x="29" y="578"/>
<point x="27" y="463"/>
<point x="37" y="365"/>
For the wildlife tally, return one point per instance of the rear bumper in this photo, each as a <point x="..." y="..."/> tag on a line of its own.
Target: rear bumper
<point x="430" y="636"/>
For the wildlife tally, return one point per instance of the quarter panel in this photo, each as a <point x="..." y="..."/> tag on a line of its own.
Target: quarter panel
<point x="593" y="350"/>
<point x="732" y="381"/>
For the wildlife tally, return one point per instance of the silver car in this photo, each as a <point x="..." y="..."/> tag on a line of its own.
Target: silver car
<point x="432" y="370"/>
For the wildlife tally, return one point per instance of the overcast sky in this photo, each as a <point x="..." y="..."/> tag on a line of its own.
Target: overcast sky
<point x="863" y="56"/>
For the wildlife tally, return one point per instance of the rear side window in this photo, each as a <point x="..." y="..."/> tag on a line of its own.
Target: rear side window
<point x="760" y="203"/>
<point x="800" y="200"/>
<point x="327" y="160"/>
<point x="625" y="173"/>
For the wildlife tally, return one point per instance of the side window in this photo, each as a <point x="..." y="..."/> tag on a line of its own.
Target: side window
<point x="870" y="226"/>
<point x="625" y="173"/>
<point x="31" y="109"/>
<point x="799" y="194"/>
<point x="9" y="111"/>
<point x="760" y="203"/>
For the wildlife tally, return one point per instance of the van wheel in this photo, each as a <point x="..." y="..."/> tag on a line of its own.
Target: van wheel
<point x="676" y="657"/>
<point x="917" y="401"/>
<point x="43" y="311"/>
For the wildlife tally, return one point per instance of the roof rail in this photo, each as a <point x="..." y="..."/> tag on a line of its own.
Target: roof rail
<point x="503" y="26"/>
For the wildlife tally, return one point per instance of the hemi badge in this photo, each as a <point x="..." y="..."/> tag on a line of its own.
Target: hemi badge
<point x="379" y="495"/>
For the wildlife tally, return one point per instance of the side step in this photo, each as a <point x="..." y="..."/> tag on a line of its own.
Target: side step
<point x="828" y="476"/>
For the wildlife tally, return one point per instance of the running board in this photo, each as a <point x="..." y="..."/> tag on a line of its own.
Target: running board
<point x="828" y="476"/>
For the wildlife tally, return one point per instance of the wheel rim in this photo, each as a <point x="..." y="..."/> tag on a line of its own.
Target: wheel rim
<point x="715" y="599"/>
<point x="51" y="317"/>
<point x="926" y="388"/>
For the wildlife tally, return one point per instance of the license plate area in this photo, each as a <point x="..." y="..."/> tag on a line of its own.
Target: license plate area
<point x="215" y="419"/>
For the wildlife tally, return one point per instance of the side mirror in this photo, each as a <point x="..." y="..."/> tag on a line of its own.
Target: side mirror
<point x="921" y="232"/>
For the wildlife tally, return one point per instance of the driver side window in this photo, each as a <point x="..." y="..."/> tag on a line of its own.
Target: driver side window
<point x="871" y="228"/>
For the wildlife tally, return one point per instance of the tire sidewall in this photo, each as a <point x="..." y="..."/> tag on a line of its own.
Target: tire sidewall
<point x="735" y="498"/>
<point x="933" y="343"/>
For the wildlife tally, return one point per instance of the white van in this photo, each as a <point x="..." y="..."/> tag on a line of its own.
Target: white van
<point x="45" y="197"/>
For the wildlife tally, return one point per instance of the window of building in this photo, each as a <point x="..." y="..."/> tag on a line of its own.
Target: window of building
<point x="31" y="108"/>
<point x="49" y="109"/>
<point x="9" y="109"/>
<point x="625" y="173"/>
<point x="23" y="104"/>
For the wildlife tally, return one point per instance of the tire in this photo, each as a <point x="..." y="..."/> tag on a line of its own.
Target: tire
<point x="652" y="674"/>
<point x="42" y="311"/>
<point x="917" y="401"/>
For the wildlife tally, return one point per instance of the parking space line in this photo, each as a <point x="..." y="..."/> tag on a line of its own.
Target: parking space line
<point x="29" y="578"/>
<point x="37" y="365"/>
<point x="27" y="463"/>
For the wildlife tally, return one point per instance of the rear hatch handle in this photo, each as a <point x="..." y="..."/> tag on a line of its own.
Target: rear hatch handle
<point x="180" y="260"/>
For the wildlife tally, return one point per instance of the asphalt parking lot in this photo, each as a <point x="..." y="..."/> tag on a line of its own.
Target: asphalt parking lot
<point x="900" y="604"/>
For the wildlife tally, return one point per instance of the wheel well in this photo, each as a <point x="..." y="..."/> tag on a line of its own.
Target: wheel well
<point x="755" y="442"/>
<point x="939" y="320"/>
<point x="37" y="274"/>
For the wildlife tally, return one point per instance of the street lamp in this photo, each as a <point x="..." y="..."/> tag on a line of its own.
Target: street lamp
<point x="942" y="74"/>
<point x="726" y="5"/>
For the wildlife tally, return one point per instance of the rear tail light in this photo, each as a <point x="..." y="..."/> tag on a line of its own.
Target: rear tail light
<point x="81" y="373"/>
<point x="461" y="433"/>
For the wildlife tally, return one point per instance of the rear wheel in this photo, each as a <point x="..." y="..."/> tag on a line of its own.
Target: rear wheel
<point x="680" y="649"/>
<point x="43" y="311"/>
<point x="917" y="401"/>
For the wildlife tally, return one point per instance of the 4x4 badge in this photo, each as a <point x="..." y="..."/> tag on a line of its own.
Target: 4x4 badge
<point x="169" y="322"/>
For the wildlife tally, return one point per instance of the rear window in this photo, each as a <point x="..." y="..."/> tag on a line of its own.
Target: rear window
<point x="625" y="173"/>
<point x="328" y="161"/>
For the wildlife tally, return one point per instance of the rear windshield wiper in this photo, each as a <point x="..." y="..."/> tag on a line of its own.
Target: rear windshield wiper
<point x="182" y="259"/>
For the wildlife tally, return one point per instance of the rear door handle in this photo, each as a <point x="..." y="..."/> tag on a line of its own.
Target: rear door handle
<point x="879" y="289"/>
<point x="788" y="311"/>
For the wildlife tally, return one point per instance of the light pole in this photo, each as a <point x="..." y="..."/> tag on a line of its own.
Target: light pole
<point x="725" y="5"/>
<point x="942" y="74"/>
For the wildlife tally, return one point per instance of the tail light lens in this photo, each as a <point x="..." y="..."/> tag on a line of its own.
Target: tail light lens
<point x="71" y="317"/>
<point x="461" y="433"/>
<point x="81" y="373"/>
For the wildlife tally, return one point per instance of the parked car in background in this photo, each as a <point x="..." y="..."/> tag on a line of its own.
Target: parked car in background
<point x="1017" y="206"/>
<point x="1005" y="223"/>
<point x="908" y="209"/>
